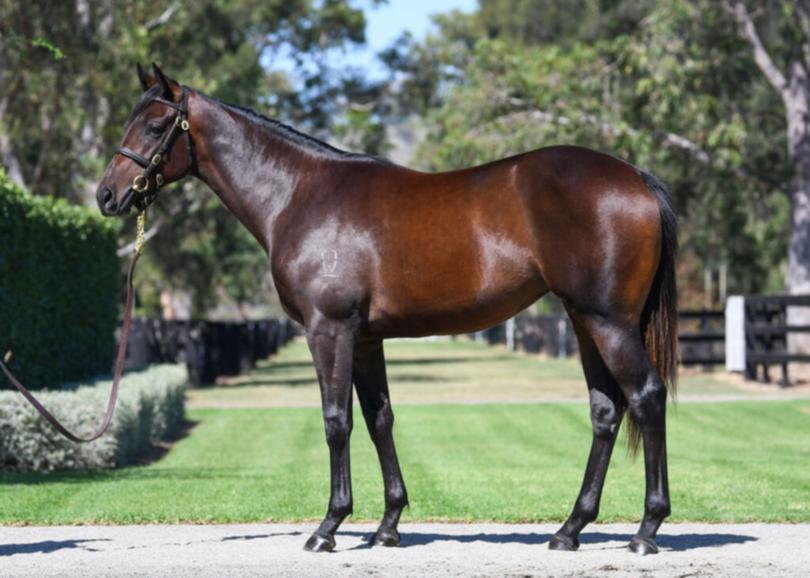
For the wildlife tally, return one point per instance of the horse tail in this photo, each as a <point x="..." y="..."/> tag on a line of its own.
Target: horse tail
<point x="659" y="319"/>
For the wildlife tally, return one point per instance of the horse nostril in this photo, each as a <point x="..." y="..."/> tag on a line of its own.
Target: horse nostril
<point x="107" y="199"/>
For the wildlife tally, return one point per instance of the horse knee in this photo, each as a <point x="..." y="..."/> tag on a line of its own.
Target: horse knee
<point x="605" y="414"/>
<point x="338" y="428"/>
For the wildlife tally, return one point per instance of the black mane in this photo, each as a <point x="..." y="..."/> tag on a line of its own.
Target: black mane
<point x="285" y="131"/>
<point x="291" y="134"/>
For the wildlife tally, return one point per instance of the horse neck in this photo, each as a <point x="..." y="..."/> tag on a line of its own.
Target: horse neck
<point x="254" y="170"/>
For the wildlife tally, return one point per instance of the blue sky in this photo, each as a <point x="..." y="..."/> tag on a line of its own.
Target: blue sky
<point x="384" y="24"/>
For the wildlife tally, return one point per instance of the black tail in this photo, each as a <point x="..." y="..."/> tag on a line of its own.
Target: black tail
<point x="659" y="321"/>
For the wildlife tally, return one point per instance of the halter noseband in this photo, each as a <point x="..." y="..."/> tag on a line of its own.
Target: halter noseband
<point x="142" y="184"/>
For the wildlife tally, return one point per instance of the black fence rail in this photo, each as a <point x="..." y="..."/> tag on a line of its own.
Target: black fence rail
<point x="702" y="337"/>
<point x="766" y="335"/>
<point x="209" y="349"/>
<point x="549" y="334"/>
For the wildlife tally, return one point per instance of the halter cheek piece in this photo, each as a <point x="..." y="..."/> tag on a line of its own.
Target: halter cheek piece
<point x="143" y="185"/>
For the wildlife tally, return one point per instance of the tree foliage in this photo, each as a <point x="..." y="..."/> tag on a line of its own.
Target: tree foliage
<point x="68" y="83"/>
<point x="668" y="85"/>
<point x="59" y="288"/>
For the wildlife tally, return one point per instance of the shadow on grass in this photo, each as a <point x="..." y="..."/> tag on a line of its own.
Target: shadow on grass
<point x="272" y="381"/>
<point x="261" y="380"/>
<point x="676" y="543"/>
<point x="275" y="366"/>
<point x="195" y="473"/>
<point x="159" y="450"/>
<point x="447" y="359"/>
<point x="47" y="547"/>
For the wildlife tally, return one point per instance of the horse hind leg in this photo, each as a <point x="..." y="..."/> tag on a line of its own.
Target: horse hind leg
<point x="621" y="346"/>
<point x="607" y="408"/>
<point x="372" y="390"/>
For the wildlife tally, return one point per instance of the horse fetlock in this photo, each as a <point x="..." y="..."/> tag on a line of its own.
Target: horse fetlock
<point x="340" y="509"/>
<point x="396" y="499"/>
<point x="657" y="507"/>
<point x="586" y="513"/>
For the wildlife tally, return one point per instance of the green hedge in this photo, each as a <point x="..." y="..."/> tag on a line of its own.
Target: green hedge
<point x="59" y="288"/>
<point x="151" y="408"/>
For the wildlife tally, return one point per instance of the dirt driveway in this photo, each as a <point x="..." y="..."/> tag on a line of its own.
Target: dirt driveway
<point x="754" y="550"/>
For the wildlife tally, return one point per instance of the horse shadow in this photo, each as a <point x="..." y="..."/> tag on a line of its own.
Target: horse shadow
<point x="675" y="543"/>
<point x="47" y="546"/>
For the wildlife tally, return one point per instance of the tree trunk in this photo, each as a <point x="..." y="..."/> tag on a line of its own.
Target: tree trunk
<point x="797" y="280"/>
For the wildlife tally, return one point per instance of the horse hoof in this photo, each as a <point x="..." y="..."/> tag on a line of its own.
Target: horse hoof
<point x="318" y="543"/>
<point x="563" y="543"/>
<point x="643" y="546"/>
<point x="387" y="538"/>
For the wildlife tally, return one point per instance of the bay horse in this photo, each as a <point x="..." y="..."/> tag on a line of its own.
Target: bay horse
<point x="362" y="249"/>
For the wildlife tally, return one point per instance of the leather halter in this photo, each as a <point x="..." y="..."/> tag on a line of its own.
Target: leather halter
<point x="144" y="185"/>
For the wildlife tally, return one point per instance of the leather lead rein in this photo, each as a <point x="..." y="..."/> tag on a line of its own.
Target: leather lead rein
<point x="141" y="185"/>
<point x="119" y="368"/>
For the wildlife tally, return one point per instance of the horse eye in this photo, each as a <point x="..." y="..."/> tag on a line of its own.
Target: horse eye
<point x="154" y="129"/>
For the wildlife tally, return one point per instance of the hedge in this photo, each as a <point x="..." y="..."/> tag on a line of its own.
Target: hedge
<point x="59" y="288"/>
<point x="151" y="408"/>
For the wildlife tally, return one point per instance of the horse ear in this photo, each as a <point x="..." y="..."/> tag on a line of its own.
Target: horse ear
<point x="163" y="81"/>
<point x="145" y="80"/>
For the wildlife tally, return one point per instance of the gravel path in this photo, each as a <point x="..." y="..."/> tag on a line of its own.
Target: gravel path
<point x="737" y="550"/>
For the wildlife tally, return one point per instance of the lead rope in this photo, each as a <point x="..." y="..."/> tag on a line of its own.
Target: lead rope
<point x="140" y="240"/>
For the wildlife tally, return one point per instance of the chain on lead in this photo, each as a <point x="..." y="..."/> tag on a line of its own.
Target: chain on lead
<point x="140" y="236"/>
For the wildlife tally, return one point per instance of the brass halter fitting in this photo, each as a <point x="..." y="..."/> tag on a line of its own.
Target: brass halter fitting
<point x="140" y="184"/>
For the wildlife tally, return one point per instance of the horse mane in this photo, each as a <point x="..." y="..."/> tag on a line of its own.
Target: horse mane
<point x="291" y="134"/>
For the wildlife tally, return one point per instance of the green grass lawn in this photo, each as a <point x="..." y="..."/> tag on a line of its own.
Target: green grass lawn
<point x="422" y="371"/>
<point x="741" y="461"/>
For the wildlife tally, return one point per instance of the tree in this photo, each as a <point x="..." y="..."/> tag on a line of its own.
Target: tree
<point x="68" y="83"/>
<point x="670" y="87"/>
<point x="786" y="67"/>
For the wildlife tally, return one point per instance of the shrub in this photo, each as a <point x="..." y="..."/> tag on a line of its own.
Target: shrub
<point x="151" y="408"/>
<point x="59" y="288"/>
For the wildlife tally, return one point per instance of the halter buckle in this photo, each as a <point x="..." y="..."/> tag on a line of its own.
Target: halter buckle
<point x="140" y="184"/>
<point x="184" y="125"/>
<point x="156" y="160"/>
<point x="159" y="179"/>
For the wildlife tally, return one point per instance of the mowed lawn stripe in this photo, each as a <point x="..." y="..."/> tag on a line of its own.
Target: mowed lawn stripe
<point x="734" y="462"/>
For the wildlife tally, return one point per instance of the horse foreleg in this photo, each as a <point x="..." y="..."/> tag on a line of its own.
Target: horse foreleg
<point x="607" y="407"/>
<point x="331" y="344"/>
<point x="372" y="390"/>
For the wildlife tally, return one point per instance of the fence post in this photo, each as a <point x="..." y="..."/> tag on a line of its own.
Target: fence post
<point x="562" y="338"/>
<point x="735" y="333"/>
<point x="510" y="334"/>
